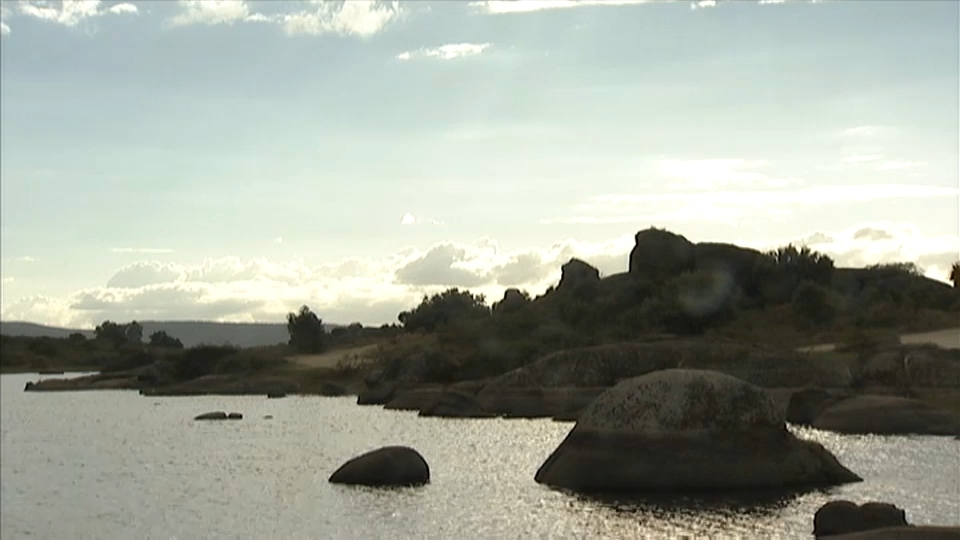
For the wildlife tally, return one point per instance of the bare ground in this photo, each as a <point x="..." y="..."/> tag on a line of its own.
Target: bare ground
<point x="948" y="339"/>
<point x="330" y="359"/>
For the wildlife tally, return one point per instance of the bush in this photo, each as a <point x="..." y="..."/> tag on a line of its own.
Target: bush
<point x="816" y="304"/>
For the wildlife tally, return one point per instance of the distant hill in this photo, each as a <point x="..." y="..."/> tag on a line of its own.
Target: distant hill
<point x="189" y="332"/>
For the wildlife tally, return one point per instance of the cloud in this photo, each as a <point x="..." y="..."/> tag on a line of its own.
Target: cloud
<point x="140" y="250"/>
<point x="362" y="18"/>
<point x="278" y="240"/>
<point x="68" y="13"/>
<point x="499" y="7"/>
<point x="8" y="279"/>
<point x="123" y="8"/>
<point x="899" y="165"/>
<point x="867" y="131"/>
<point x="861" y="158"/>
<point x="702" y="4"/>
<point x="883" y="242"/>
<point x="731" y="206"/>
<point x="715" y="173"/>
<point x="375" y="290"/>
<point x="446" y="52"/>
<point x="410" y="219"/>
<point x="213" y="12"/>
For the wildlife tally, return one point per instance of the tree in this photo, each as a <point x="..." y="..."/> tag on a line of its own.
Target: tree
<point x="955" y="275"/>
<point x="119" y="334"/>
<point x="444" y="308"/>
<point x="133" y="332"/>
<point x="306" y="331"/>
<point x="804" y="264"/>
<point x="162" y="339"/>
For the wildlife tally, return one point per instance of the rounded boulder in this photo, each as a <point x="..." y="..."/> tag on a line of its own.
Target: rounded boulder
<point x="687" y="430"/>
<point x="384" y="467"/>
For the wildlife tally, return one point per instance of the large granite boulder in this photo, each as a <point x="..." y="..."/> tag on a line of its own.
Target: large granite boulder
<point x="454" y="404"/>
<point x="577" y="275"/>
<point x="687" y="430"/>
<point x="387" y="466"/>
<point x="844" y="517"/>
<point x="658" y="254"/>
<point x="887" y="415"/>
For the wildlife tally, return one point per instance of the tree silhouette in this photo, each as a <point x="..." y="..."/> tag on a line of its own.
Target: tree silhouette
<point x="306" y="331"/>
<point x="955" y="275"/>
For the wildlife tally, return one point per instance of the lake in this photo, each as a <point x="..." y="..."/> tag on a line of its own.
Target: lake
<point x="114" y="464"/>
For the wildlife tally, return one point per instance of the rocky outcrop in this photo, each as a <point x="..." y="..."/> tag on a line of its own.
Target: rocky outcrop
<point x="413" y="399"/>
<point x="806" y="405"/>
<point x="887" y="415"/>
<point x="904" y="533"/>
<point x="659" y="254"/>
<point x="454" y="404"/>
<point x="536" y="401"/>
<point x="844" y="517"/>
<point x="913" y="365"/>
<point x="513" y="299"/>
<point x="605" y="365"/>
<point x="387" y="466"/>
<point x="577" y="274"/>
<point x="687" y="430"/>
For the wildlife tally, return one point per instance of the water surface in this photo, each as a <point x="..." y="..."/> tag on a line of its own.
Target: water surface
<point x="117" y="465"/>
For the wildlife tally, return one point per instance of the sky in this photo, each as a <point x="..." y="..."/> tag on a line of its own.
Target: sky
<point x="231" y="161"/>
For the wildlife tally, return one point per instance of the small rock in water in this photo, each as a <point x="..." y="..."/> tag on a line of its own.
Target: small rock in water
<point x="268" y="417"/>
<point x="219" y="415"/>
<point x="844" y="517"/>
<point x="388" y="466"/>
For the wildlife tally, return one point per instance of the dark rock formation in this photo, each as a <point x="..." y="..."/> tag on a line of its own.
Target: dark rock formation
<point x="887" y="415"/>
<point x="276" y="395"/>
<point x="512" y="299"/>
<point x="413" y="399"/>
<point x="659" y="254"/>
<point x="807" y="404"/>
<point x="687" y="430"/>
<point x="454" y="404"/>
<point x="844" y="517"/>
<point x="388" y="466"/>
<point x="329" y="389"/>
<point x="377" y="395"/>
<point x="576" y="274"/>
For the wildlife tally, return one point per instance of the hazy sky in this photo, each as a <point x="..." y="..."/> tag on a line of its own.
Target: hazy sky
<point x="233" y="160"/>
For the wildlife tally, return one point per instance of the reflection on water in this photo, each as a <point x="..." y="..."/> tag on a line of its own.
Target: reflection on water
<point x="105" y="465"/>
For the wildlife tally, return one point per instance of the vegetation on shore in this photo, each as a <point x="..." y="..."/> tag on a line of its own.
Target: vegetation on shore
<point x="789" y="297"/>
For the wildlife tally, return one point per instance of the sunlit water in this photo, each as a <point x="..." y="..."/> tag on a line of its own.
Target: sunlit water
<point x="111" y="464"/>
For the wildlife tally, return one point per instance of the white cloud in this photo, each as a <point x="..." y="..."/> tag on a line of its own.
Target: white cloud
<point x="410" y="219"/>
<point x="362" y="18"/>
<point x="716" y="173"/>
<point x="25" y="259"/>
<point x="446" y="52"/>
<point x="4" y="29"/>
<point x="66" y="12"/>
<point x="730" y="206"/>
<point x="212" y="12"/>
<point x="375" y="290"/>
<point x="497" y="7"/>
<point x="867" y="131"/>
<point x="861" y="158"/>
<point x="899" y="165"/>
<point x="140" y="250"/>
<point x="8" y="279"/>
<point x="123" y="8"/>
<point x="278" y="240"/>
<point x="883" y="242"/>
<point x="703" y="4"/>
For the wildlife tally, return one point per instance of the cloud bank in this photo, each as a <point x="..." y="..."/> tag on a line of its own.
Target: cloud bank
<point x="375" y="290"/>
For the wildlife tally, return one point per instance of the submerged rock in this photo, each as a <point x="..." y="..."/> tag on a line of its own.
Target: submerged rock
<point x="387" y="466"/>
<point x="687" y="430"/>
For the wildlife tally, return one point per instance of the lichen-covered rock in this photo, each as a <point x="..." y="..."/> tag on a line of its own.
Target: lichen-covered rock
<point x="887" y="415"/>
<point x="387" y="466"/>
<point x="687" y="430"/>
